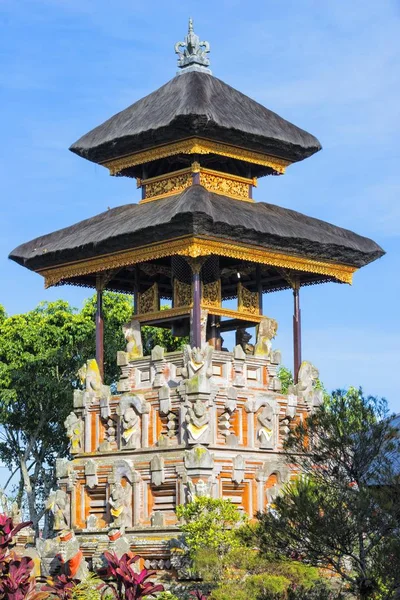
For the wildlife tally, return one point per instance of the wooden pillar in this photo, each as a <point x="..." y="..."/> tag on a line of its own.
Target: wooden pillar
<point x="196" y="319"/>
<point x="259" y="289"/>
<point x="215" y="337"/>
<point x="136" y="291"/>
<point x="100" y="331"/>
<point x="296" y="331"/>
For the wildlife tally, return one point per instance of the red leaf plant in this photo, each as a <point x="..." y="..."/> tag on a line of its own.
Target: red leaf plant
<point x="60" y="586"/>
<point x="16" y="573"/>
<point x="8" y="531"/>
<point x="129" y="584"/>
<point x="198" y="595"/>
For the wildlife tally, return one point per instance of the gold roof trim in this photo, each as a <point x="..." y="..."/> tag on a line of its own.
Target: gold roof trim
<point x="195" y="247"/>
<point x="196" y="146"/>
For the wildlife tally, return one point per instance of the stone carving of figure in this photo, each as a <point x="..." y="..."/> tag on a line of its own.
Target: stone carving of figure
<point x="90" y="376"/>
<point x="243" y="338"/>
<point x="266" y="332"/>
<point x="58" y="504"/>
<point x="130" y="409"/>
<point x="306" y="389"/>
<point x="133" y="336"/>
<point x="201" y="489"/>
<point x="266" y="429"/>
<point x="198" y="368"/>
<point x="15" y="513"/>
<point x="74" y="427"/>
<point x="118" y="505"/>
<point x="130" y="423"/>
<point x="197" y="419"/>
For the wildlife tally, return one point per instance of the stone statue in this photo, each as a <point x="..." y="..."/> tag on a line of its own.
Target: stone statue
<point x="243" y="338"/>
<point x="133" y="336"/>
<point x="201" y="489"/>
<point x="74" y="427"/>
<point x="197" y="419"/>
<point x="130" y="423"/>
<point x="72" y="557"/>
<point x="118" y="505"/>
<point x="130" y="409"/>
<point x="16" y="514"/>
<point x="198" y="368"/>
<point x="306" y="389"/>
<point x="266" y="332"/>
<point x="266" y="426"/>
<point x="89" y="375"/>
<point x="58" y="504"/>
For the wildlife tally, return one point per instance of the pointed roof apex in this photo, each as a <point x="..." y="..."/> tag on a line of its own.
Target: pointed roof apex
<point x="192" y="53"/>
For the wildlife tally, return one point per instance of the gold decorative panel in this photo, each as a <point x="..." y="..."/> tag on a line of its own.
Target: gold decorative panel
<point x="219" y="183"/>
<point x="211" y="294"/>
<point x="248" y="302"/>
<point x="182" y="294"/>
<point x="148" y="300"/>
<point x="196" y="146"/>
<point x="214" y="181"/>
<point x="167" y="185"/>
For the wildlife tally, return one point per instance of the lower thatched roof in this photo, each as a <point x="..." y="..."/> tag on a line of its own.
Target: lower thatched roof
<point x="197" y="211"/>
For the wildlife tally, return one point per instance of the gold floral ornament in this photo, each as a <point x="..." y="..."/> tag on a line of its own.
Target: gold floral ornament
<point x="149" y="300"/>
<point x="211" y="294"/>
<point x="182" y="294"/>
<point x="248" y="302"/>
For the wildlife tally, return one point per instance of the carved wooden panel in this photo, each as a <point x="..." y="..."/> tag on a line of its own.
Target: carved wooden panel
<point x="211" y="294"/>
<point x="182" y="294"/>
<point x="149" y="300"/>
<point x="248" y="302"/>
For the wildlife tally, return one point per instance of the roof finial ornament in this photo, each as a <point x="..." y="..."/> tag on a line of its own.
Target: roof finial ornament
<point x="192" y="53"/>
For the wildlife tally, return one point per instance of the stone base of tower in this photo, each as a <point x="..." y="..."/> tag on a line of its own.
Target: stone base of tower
<point x="198" y="422"/>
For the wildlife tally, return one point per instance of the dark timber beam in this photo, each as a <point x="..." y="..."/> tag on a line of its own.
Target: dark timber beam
<point x="195" y="332"/>
<point x="259" y="284"/>
<point x="102" y="279"/>
<point x="296" y="331"/>
<point x="100" y="330"/>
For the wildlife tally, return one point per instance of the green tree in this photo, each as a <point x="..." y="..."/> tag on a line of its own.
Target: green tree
<point x="40" y="354"/>
<point x="210" y="523"/>
<point x="343" y="511"/>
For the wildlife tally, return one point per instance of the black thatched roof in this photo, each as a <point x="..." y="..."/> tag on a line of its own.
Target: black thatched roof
<point x="196" y="104"/>
<point x="198" y="212"/>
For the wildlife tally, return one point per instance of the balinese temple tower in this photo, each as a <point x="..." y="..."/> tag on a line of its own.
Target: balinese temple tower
<point x="202" y="421"/>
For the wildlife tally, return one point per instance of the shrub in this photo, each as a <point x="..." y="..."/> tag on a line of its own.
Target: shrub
<point x="267" y="587"/>
<point x="167" y="596"/>
<point x="210" y="523"/>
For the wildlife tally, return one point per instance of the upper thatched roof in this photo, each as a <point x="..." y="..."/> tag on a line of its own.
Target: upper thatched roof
<point x="196" y="104"/>
<point x="197" y="211"/>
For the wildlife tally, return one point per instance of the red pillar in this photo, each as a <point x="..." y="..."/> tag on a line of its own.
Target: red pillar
<point x="296" y="331"/>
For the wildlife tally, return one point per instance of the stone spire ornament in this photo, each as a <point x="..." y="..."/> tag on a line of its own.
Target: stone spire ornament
<point x="192" y="53"/>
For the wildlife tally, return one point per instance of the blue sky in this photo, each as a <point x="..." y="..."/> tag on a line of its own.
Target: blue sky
<point x="329" y="67"/>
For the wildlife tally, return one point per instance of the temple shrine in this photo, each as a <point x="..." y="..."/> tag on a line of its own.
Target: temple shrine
<point x="204" y="420"/>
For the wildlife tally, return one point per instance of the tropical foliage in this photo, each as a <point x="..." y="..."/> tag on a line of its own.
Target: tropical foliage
<point x="343" y="512"/>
